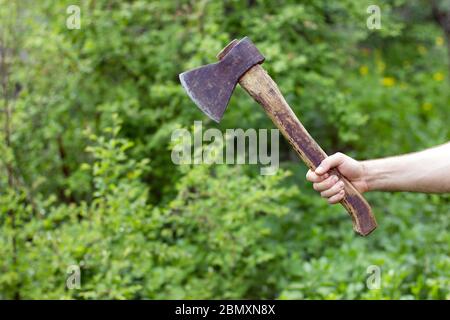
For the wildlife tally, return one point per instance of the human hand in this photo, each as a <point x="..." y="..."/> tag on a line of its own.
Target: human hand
<point x="329" y="185"/>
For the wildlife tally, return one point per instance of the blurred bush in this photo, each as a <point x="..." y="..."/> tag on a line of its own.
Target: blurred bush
<point x="85" y="109"/>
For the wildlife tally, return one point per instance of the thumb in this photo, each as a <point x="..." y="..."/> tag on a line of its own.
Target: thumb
<point x="330" y="162"/>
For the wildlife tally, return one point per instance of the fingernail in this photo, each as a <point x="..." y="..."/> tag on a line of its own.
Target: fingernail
<point x="335" y="179"/>
<point x="341" y="184"/>
<point x="319" y="170"/>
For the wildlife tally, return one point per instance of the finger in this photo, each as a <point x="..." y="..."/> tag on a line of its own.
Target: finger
<point x="332" y="161"/>
<point x="312" y="177"/>
<point x="326" y="184"/>
<point x="333" y="190"/>
<point x="337" y="197"/>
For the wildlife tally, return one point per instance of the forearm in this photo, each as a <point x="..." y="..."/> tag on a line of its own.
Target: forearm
<point x="425" y="171"/>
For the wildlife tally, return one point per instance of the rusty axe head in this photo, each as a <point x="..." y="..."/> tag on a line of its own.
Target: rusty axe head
<point x="211" y="86"/>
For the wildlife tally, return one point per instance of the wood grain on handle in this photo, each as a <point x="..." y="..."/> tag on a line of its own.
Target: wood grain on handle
<point x="264" y="90"/>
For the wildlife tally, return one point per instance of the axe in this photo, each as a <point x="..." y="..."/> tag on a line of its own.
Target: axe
<point x="211" y="86"/>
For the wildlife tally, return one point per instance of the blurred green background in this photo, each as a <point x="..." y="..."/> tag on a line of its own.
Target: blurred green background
<point x="87" y="178"/>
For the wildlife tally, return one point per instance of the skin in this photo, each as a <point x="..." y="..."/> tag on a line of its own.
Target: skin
<point x="426" y="171"/>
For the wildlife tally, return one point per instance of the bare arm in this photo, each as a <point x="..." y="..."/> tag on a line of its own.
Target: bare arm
<point x="425" y="171"/>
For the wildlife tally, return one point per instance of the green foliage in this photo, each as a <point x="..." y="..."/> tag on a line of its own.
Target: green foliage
<point x="87" y="108"/>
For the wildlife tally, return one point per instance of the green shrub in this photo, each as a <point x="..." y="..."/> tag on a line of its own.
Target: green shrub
<point x="84" y="109"/>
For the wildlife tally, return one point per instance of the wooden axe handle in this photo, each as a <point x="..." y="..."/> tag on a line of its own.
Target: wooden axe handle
<point x="264" y="90"/>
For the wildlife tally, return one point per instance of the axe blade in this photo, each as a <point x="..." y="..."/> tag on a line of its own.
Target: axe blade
<point x="211" y="86"/>
<point x="209" y="89"/>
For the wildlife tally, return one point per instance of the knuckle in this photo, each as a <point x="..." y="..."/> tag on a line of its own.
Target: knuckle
<point x="330" y="184"/>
